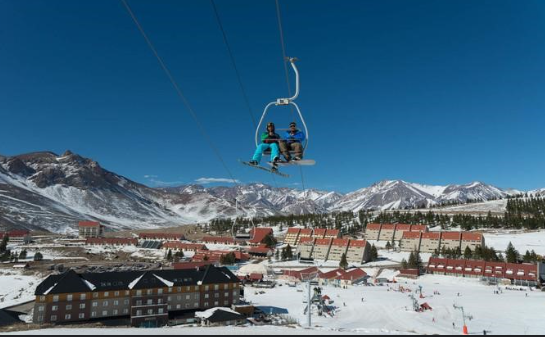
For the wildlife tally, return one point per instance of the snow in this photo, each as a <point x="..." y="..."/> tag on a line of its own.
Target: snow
<point x="167" y="283"/>
<point x="16" y="287"/>
<point x="522" y="241"/>
<point x="135" y="282"/>
<point x="209" y="313"/>
<point x="91" y="286"/>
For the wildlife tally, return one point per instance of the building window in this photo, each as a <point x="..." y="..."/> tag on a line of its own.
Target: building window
<point x="170" y="298"/>
<point x="139" y="313"/>
<point x="179" y="306"/>
<point x="206" y="296"/>
<point x="207" y="288"/>
<point x="188" y="297"/>
<point x="150" y="292"/>
<point x="125" y="311"/>
<point x="94" y="314"/>
<point x="170" y="290"/>
<point x="41" y="309"/>
<point x="160" y="292"/>
<point x="127" y="293"/>
<point x="235" y="293"/>
<point x="105" y="303"/>
<point x="83" y="297"/>
<point x="187" y="306"/>
<point x="42" y="299"/>
<point x="179" y="298"/>
<point x="161" y="311"/>
<point x="95" y="295"/>
<point x="206" y="304"/>
<point x="126" y="302"/>
<point x="55" y="298"/>
<point x="68" y="307"/>
<point x="216" y="287"/>
<point x="116" y="294"/>
<point x="139" y="293"/>
<point x="216" y="295"/>
<point x="68" y="317"/>
<point x="138" y="303"/>
<point x="82" y="306"/>
<point x="116" y="312"/>
<point x="116" y="303"/>
<point x="150" y="302"/>
<point x="196" y="305"/>
<point x="69" y="298"/>
<point x="105" y="313"/>
<point x="106" y="294"/>
<point x="226" y="303"/>
<point x="159" y="301"/>
<point x="150" y="312"/>
<point x="55" y="308"/>
<point x="216" y="304"/>
<point x="189" y="289"/>
<point x="81" y="316"/>
<point x="226" y="294"/>
<point x="53" y="318"/>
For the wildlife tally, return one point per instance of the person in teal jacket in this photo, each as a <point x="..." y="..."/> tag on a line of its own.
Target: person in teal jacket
<point x="270" y="140"/>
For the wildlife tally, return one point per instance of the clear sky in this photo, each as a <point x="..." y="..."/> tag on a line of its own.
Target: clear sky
<point x="428" y="91"/>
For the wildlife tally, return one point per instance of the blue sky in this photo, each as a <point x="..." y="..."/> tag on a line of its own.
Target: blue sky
<point x="434" y="92"/>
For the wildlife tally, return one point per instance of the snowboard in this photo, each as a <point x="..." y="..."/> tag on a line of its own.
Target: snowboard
<point x="278" y="173"/>
<point x="308" y="162"/>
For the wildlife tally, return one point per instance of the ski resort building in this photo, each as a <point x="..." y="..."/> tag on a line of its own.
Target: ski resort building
<point x="400" y="230"/>
<point x="305" y="233"/>
<point x="321" y="249"/>
<point x="292" y="237"/>
<point x="387" y="232"/>
<point x="145" y="298"/>
<point x="411" y="241"/>
<point x="90" y="229"/>
<point x="333" y="234"/>
<point x="17" y="237"/>
<point x="372" y="231"/>
<point x="319" y="233"/>
<point x="339" y="247"/>
<point x="259" y="234"/>
<point x="522" y="274"/>
<point x="218" y="240"/>
<point x="305" y="249"/>
<point x="184" y="247"/>
<point x="431" y="242"/>
<point x="472" y="240"/>
<point x="359" y="252"/>
<point x="451" y="240"/>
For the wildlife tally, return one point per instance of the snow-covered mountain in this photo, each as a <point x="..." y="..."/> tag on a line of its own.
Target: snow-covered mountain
<point x="45" y="191"/>
<point x="398" y="194"/>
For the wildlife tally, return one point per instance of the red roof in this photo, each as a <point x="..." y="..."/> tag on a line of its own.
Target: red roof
<point x="306" y="240"/>
<point x="341" y="242"/>
<point x="411" y="235"/>
<point x="17" y="233"/>
<point x="323" y="242"/>
<point x="320" y="232"/>
<point x="454" y="236"/>
<point x="358" y="243"/>
<point x="256" y="277"/>
<point x="306" y="232"/>
<point x="389" y="227"/>
<point x="468" y="236"/>
<point x="419" y="228"/>
<point x="404" y="228"/>
<point x="374" y="227"/>
<point x="432" y="236"/>
<point x="333" y="274"/>
<point x="260" y="234"/>
<point x="294" y="230"/>
<point x="333" y="233"/>
<point x="299" y="274"/>
<point x="259" y="250"/>
<point x="89" y="224"/>
<point x="353" y="275"/>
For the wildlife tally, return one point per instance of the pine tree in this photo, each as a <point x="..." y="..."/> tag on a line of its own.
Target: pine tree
<point x="512" y="254"/>
<point x="169" y="255"/>
<point x="23" y="255"/>
<point x="4" y="244"/>
<point x="344" y="262"/>
<point x="277" y="255"/>
<point x="289" y="253"/>
<point x="468" y="254"/>
<point x="374" y="253"/>
<point x="527" y="257"/>
<point x="404" y="264"/>
<point x="38" y="257"/>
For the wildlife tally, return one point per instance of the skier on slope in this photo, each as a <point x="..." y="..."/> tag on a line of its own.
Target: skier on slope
<point x="270" y="141"/>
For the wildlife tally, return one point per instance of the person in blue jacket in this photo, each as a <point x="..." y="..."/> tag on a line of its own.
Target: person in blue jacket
<point x="293" y="141"/>
<point x="270" y="141"/>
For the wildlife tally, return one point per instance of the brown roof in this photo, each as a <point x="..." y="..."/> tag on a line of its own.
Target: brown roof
<point x="333" y="274"/>
<point x="352" y="275"/>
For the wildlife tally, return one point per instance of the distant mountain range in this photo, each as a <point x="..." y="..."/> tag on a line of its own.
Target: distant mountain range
<point x="46" y="191"/>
